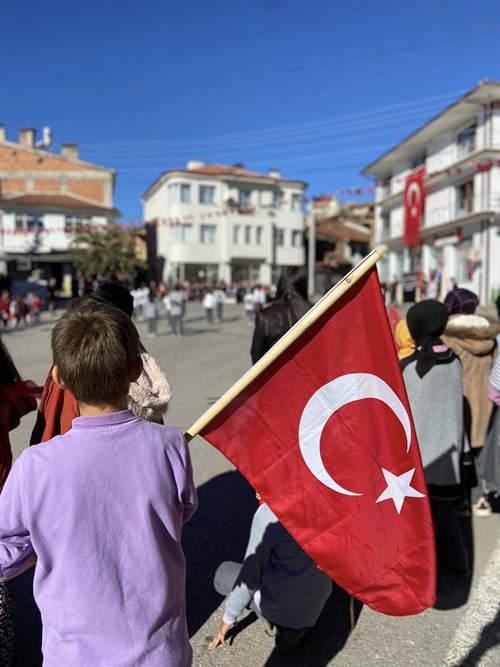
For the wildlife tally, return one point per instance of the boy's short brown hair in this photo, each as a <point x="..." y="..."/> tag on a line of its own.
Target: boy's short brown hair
<point x="95" y="347"/>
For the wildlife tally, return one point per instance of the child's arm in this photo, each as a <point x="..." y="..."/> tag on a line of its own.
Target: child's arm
<point x="256" y="560"/>
<point x="29" y="562"/>
<point x="16" y="550"/>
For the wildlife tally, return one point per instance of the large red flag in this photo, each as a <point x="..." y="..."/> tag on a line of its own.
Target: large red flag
<point x="414" y="196"/>
<point x="325" y="435"/>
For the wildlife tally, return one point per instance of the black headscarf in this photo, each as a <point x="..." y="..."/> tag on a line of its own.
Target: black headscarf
<point x="426" y="322"/>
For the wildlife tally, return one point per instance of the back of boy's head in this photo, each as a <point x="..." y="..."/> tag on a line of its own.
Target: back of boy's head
<point x="95" y="347"/>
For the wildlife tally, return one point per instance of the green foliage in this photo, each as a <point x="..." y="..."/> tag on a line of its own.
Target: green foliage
<point x="106" y="251"/>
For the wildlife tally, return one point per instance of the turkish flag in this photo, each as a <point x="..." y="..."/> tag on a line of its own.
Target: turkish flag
<point x="414" y="197"/>
<point x="325" y="435"/>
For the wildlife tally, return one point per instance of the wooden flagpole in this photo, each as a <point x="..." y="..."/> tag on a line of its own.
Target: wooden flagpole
<point x="333" y="295"/>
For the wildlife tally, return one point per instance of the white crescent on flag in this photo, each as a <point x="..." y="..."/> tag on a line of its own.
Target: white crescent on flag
<point x="328" y="399"/>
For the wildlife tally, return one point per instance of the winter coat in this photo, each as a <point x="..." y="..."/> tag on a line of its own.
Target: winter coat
<point x="472" y="338"/>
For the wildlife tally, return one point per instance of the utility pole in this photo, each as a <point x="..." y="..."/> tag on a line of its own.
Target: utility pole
<point x="311" y="255"/>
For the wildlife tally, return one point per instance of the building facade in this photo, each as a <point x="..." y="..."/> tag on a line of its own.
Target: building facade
<point x="44" y="199"/>
<point x="459" y="235"/>
<point x="342" y="235"/>
<point x="215" y="222"/>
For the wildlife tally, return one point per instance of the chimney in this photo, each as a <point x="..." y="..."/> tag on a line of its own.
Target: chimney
<point x="3" y="133"/>
<point x="27" y="137"/>
<point x="70" y="151"/>
<point x="274" y="173"/>
<point x="192" y="165"/>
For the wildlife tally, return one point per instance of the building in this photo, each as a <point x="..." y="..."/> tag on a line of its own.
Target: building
<point x="44" y="199"/>
<point x="215" y="222"/>
<point x="342" y="237"/>
<point x="453" y="161"/>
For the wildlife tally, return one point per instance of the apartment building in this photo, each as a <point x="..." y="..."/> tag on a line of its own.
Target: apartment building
<point x="216" y="222"/>
<point x="437" y="203"/>
<point x="44" y="198"/>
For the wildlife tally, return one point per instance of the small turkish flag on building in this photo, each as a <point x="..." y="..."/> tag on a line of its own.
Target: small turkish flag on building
<point x="414" y="196"/>
<point x="324" y="433"/>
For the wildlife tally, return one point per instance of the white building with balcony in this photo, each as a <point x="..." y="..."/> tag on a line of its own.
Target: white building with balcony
<point x="460" y="229"/>
<point x="215" y="222"/>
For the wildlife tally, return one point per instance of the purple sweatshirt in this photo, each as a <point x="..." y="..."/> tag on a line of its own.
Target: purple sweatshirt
<point x="103" y="507"/>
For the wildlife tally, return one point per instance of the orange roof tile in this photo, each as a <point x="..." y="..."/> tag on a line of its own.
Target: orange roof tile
<point x="49" y="200"/>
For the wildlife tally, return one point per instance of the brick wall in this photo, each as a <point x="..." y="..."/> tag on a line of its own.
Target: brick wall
<point x="47" y="185"/>
<point x="19" y="159"/>
<point x="86" y="188"/>
<point x="35" y="172"/>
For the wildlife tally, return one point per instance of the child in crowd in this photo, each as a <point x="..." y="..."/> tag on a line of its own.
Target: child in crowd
<point x="434" y="383"/>
<point x="473" y="339"/>
<point x="151" y="312"/>
<point x="101" y="510"/>
<point x="277" y="580"/>
<point x="148" y="395"/>
<point x="17" y="398"/>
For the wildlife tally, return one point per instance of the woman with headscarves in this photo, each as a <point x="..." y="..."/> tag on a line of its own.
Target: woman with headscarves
<point x="272" y="322"/>
<point x="433" y="379"/>
<point x="473" y="339"/>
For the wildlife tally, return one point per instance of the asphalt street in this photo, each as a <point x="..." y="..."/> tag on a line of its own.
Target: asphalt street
<point x="461" y="630"/>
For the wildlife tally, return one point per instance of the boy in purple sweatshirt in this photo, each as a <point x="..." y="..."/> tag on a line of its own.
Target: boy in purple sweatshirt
<point x="101" y="509"/>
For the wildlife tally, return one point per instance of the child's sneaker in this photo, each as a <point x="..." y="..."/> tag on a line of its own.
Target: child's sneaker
<point x="288" y="638"/>
<point x="481" y="508"/>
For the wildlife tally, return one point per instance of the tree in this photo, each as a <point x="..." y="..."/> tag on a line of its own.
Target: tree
<point x="106" y="251"/>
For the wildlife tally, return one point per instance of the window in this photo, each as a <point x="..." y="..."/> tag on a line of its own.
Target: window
<point x="466" y="141"/>
<point x="245" y="198"/>
<point x="297" y="239"/>
<point x="418" y="161"/>
<point x="183" y="234"/>
<point x="73" y="223"/>
<point x="465" y="198"/>
<point x="207" y="194"/>
<point x="30" y="223"/>
<point x="296" y="202"/>
<point x="279" y="237"/>
<point x="248" y="234"/>
<point x="385" y="188"/>
<point x="277" y="198"/>
<point x="208" y="234"/>
<point x="236" y="234"/>
<point x="386" y="226"/>
<point x="180" y="193"/>
<point x="258" y="235"/>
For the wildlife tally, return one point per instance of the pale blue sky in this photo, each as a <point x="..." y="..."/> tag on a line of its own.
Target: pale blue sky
<point x="317" y="89"/>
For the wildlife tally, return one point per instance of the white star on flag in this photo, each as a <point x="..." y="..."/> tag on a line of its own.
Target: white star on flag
<point x="398" y="488"/>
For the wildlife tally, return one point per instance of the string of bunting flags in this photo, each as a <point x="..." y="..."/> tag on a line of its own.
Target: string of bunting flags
<point x="481" y="166"/>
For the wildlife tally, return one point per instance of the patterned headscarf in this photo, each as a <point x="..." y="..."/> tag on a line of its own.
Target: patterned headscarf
<point x="461" y="301"/>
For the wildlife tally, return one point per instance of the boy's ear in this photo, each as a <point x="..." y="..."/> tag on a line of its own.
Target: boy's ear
<point x="137" y="369"/>
<point x="56" y="376"/>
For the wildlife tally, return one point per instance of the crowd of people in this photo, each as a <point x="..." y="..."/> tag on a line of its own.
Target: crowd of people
<point x="81" y="505"/>
<point x="20" y="311"/>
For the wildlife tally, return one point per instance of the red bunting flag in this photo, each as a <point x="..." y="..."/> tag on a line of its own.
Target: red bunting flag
<point x="324" y="433"/>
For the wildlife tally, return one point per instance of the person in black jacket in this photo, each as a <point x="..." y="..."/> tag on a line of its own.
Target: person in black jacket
<point x="272" y="322"/>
